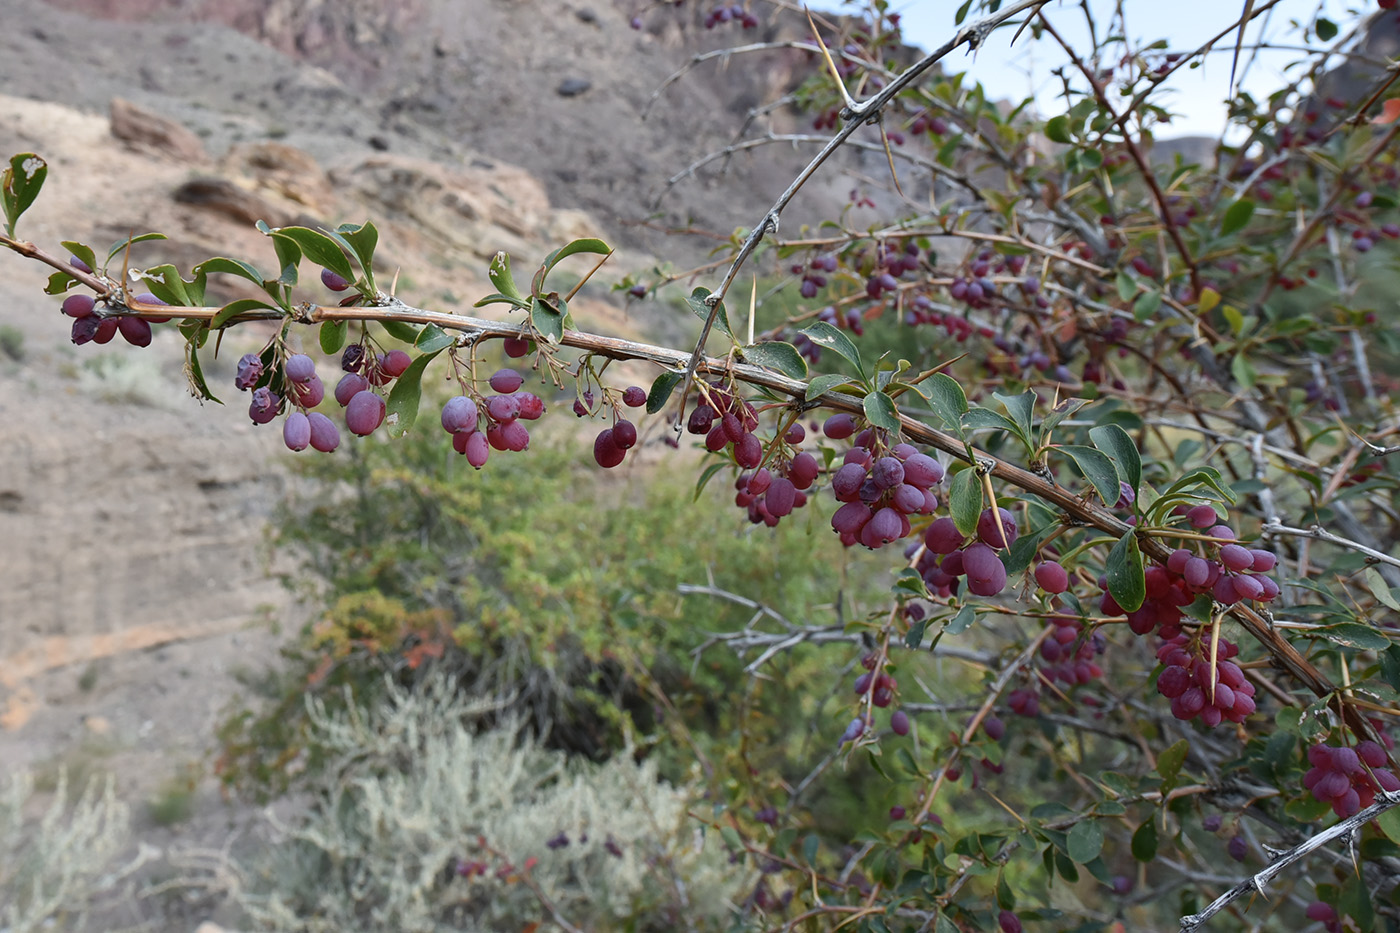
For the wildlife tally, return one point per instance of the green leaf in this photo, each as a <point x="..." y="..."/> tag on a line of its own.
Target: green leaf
<point x="962" y="621"/>
<point x="19" y="186"/>
<point x="1169" y="764"/>
<point x="824" y="335"/>
<point x="1057" y="129"/>
<point x="824" y="383"/>
<point x="586" y="245"/>
<point x="288" y="256"/>
<point x="320" y="249"/>
<point x="1237" y="216"/>
<point x="1085" y="841"/>
<point x="661" y="391"/>
<point x="1097" y="469"/>
<point x="943" y="924"/>
<point x="234" y="308"/>
<point x="1146" y="305"/>
<point x="432" y="339"/>
<point x="332" y="336"/>
<point x="363" y="240"/>
<point x="915" y="636"/>
<point x="947" y="399"/>
<point x="1326" y="29"/>
<point x="230" y="267"/>
<point x="696" y="300"/>
<point x="404" y="398"/>
<point x="1126" y="286"/>
<point x="1114" y="441"/>
<point x="547" y="321"/>
<point x="880" y="411"/>
<point x="83" y="252"/>
<point x="1243" y="371"/>
<point x="1059" y="413"/>
<point x="121" y="245"/>
<point x="1021" y="408"/>
<point x="1145" y="841"/>
<point x="776" y="354"/>
<point x="165" y="283"/>
<point x="1390" y="666"/>
<point x="1390" y="823"/>
<point x="1066" y="867"/>
<point x="1126" y="581"/>
<point x="978" y="418"/>
<point x="59" y="283"/>
<point x="1023" y="549"/>
<point x="1355" y="635"/>
<point x="965" y="500"/>
<point x="810" y="845"/>
<point x="401" y="330"/>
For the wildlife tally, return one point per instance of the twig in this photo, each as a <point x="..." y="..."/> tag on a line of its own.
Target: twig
<point x="1256" y="882"/>
<point x="854" y="117"/>
<point x="1317" y="532"/>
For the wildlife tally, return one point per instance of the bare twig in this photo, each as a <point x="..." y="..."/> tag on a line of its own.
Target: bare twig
<point x="1257" y="881"/>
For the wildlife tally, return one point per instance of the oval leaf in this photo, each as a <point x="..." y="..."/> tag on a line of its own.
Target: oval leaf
<point x="548" y="322"/>
<point x="1097" y="469"/>
<point x="880" y="411"/>
<point x="433" y="338"/>
<point x="404" y="398"/>
<point x="1114" y="441"/>
<point x="947" y="399"/>
<point x="824" y="335"/>
<point x="965" y="500"/>
<point x="320" y="249"/>
<point x="1085" y="841"/>
<point x="696" y="300"/>
<point x="777" y="355"/>
<point x="661" y="391"/>
<point x="1237" y="215"/>
<point x="1126" y="581"/>
<point x="332" y="336"/>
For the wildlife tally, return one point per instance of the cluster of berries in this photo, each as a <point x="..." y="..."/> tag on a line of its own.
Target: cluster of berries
<point x="90" y="327"/>
<point x="302" y="428"/>
<point x="769" y="498"/>
<point x="878" y="494"/>
<point x="1199" y="690"/>
<point x="1349" y="778"/>
<point x="611" y="444"/>
<point x="949" y="555"/>
<point x="730" y="13"/>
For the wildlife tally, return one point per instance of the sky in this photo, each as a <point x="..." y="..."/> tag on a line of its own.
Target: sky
<point x="1008" y="72"/>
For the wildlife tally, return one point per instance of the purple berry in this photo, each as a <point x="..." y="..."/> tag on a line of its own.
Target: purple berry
<point x="296" y="431"/>
<point x="78" y="305"/>
<point x="364" y="413"/>
<point x="459" y="414"/>
<point x="300" y="368"/>
<point x="506" y="381"/>
<point x="325" y="436"/>
<point x="334" y="281"/>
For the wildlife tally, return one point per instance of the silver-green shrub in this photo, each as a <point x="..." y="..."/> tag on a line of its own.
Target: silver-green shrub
<point x="420" y="823"/>
<point x="53" y="865"/>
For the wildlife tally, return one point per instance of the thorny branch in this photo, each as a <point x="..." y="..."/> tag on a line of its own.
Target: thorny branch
<point x="1257" y="881"/>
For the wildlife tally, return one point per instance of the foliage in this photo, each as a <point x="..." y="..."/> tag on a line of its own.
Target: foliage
<point x="54" y="868"/>
<point x="419" y="822"/>
<point x="1159" y="533"/>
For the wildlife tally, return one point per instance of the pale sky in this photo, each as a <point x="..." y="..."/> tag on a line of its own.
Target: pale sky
<point x="1015" y="72"/>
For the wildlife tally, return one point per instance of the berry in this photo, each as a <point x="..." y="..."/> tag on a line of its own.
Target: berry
<point x="352" y="360"/>
<point x="250" y="370"/>
<point x="990" y="534"/>
<point x="334" y="281"/>
<point x="899" y="722"/>
<point x="300" y="368"/>
<point x="1009" y="922"/>
<point x="296" y="431"/>
<point x="349" y="385"/>
<point x="264" y="405"/>
<point x="78" y="305"/>
<point x="364" y="413"/>
<point x="506" y="381"/>
<point x="325" y="436"/>
<point x="309" y="394"/>
<point x="477" y="449"/>
<point x="624" y="435"/>
<point x="459" y="414"/>
<point x="634" y="396"/>
<point x="605" y="451"/>
<point x="839" y="426"/>
<point x="1051" y="577"/>
<point x="136" y="331"/>
<point x="395" y="363"/>
<point x="515" y="348"/>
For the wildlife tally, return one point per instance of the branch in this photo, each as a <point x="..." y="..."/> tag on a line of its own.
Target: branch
<point x="1319" y="533"/>
<point x="1257" y="881"/>
<point x="854" y="118"/>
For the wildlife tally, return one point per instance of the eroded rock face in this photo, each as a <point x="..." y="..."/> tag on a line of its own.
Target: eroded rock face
<point x="144" y="129"/>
